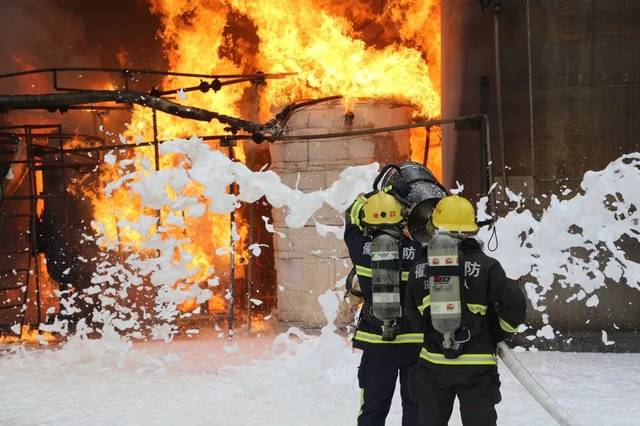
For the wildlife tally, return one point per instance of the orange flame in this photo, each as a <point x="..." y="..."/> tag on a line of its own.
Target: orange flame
<point x="353" y="49"/>
<point x="30" y="336"/>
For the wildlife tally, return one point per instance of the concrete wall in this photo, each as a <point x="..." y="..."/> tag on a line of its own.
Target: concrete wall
<point x="306" y="263"/>
<point x="585" y="86"/>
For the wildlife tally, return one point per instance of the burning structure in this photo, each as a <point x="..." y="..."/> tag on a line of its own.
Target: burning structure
<point x="71" y="225"/>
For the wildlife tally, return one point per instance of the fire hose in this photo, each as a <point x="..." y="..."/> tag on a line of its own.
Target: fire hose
<point x="534" y="388"/>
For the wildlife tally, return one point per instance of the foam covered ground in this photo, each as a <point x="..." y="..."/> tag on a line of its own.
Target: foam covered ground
<point x="270" y="381"/>
<point x="295" y="379"/>
<point x="289" y="379"/>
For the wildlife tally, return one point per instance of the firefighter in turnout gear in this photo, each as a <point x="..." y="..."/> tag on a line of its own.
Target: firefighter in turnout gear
<point x="382" y="254"/>
<point x="465" y="304"/>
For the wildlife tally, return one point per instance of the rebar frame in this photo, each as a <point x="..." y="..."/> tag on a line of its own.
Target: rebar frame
<point x="35" y="153"/>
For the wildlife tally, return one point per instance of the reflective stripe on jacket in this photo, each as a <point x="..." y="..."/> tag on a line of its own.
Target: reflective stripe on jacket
<point x="493" y="307"/>
<point x="369" y="331"/>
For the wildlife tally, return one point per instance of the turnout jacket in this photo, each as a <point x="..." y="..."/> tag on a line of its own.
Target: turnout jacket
<point x="493" y="306"/>
<point x="369" y="331"/>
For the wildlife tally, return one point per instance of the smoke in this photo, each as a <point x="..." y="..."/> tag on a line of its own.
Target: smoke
<point x="74" y="33"/>
<point x="40" y="34"/>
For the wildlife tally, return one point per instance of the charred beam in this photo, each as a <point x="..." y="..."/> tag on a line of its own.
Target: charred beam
<point x="130" y="71"/>
<point x="62" y="101"/>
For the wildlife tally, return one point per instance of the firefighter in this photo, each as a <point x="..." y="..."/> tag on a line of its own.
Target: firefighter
<point x="387" y="351"/>
<point x="462" y="327"/>
<point x="382" y="360"/>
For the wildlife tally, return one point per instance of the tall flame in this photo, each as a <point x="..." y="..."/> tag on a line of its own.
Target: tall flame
<point x="359" y="49"/>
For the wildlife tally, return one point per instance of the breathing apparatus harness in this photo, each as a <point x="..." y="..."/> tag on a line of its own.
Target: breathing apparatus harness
<point x="408" y="185"/>
<point x="450" y="315"/>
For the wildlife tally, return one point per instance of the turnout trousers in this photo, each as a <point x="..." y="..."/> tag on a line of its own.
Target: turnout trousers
<point x="435" y="389"/>
<point x="377" y="376"/>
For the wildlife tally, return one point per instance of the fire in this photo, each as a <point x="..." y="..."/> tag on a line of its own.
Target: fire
<point x="30" y="336"/>
<point x="310" y="39"/>
<point x="322" y="41"/>
<point x="390" y="51"/>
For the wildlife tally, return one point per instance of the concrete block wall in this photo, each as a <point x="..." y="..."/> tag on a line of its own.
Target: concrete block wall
<point x="308" y="264"/>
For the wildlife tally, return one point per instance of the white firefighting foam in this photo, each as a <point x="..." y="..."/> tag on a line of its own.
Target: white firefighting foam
<point x="594" y="223"/>
<point x="301" y="379"/>
<point x="197" y="163"/>
<point x="293" y="379"/>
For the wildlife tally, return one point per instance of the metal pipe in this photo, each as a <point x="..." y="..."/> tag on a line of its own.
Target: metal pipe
<point x="55" y="136"/>
<point x="427" y="141"/>
<point x="533" y="150"/>
<point x="64" y="192"/>
<point x="205" y="87"/>
<point x="496" y="43"/>
<point x="250" y="260"/>
<point x="488" y="164"/>
<point x="33" y="227"/>
<point x="100" y="108"/>
<point x="232" y="257"/>
<point x="427" y="123"/>
<point x="397" y="128"/>
<point x="156" y="150"/>
<point x="147" y="144"/>
<point x="140" y="71"/>
<point x="485" y="167"/>
<point x="48" y="166"/>
<point x="30" y="126"/>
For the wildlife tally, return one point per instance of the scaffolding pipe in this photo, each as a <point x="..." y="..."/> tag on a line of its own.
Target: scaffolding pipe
<point x="257" y="84"/>
<point x="496" y="44"/>
<point x="33" y="228"/>
<point x="427" y="142"/>
<point x="250" y="268"/>
<point x="156" y="149"/>
<point x="232" y="256"/>
<point x="63" y="168"/>
<point x="142" y="71"/>
<point x="533" y="150"/>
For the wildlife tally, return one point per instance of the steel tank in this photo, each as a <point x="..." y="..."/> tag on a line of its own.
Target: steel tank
<point x="562" y="99"/>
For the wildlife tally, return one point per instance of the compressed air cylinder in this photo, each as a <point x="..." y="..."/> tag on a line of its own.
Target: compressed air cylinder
<point x="385" y="277"/>
<point x="444" y="284"/>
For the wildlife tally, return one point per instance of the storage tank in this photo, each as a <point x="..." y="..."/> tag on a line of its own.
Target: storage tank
<point x="308" y="264"/>
<point x="569" y="85"/>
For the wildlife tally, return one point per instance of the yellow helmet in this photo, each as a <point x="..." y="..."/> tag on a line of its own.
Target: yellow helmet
<point x="382" y="209"/>
<point x="455" y="213"/>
